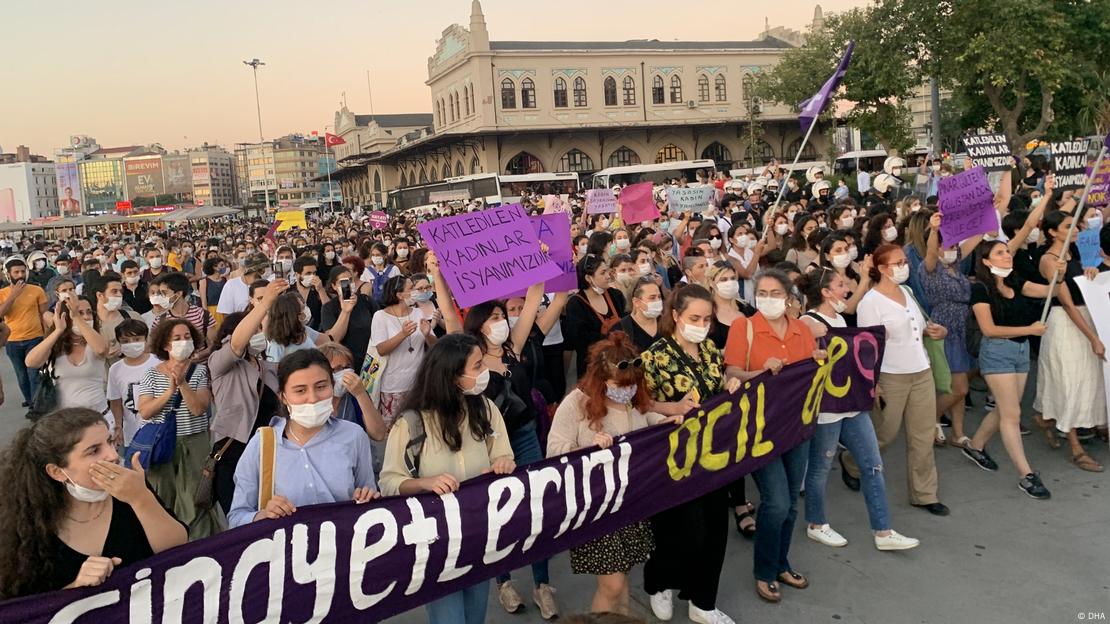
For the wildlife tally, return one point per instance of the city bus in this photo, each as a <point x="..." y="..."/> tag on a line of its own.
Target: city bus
<point x="483" y="186"/>
<point x="513" y="186"/>
<point x="656" y="173"/>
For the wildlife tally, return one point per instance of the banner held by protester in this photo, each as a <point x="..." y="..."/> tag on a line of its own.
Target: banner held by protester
<point x="967" y="206"/>
<point x="990" y="151"/>
<point x="600" y="201"/>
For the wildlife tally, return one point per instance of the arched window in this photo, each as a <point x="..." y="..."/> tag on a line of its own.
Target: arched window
<point x="718" y="153"/>
<point x="628" y="85"/>
<point x="560" y="93"/>
<point x="438" y="115"/>
<point x="473" y="108"/>
<point x="423" y="176"/>
<point x="809" y="153"/>
<point x="670" y="153"/>
<point x="575" y="160"/>
<point x="657" y="90"/>
<point x="508" y="94"/>
<point x="579" y="91"/>
<point x="451" y="107"/>
<point x="610" y="91"/>
<point x="703" y="88"/>
<point x="466" y="99"/>
<point x="676" y="90"/>
<point x="623" y="157"/>
<point x="475" y="165"/>
<point x="459" y="171"/>
<point x="446" y="170"/>
<point x="523" y="163"/>
<point x="719" y="87"/>
<point x="378" y="181"/>
<point x="458" y="113"/>
<point x="404" y="180"/>
<point x="432" y="176"/>
<point x="527" y="93"/>
<point x="763" y="153"/>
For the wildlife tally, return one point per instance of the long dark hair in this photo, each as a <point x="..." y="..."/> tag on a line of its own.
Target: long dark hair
<point x="823" y="259"/>
<point x="33" y="504"/>
<point x="436" y="393"/>
<point x="984" y="276"/>
<point x="285" y="326"/>
<point x="478" y="315"/>
<point x="812" y="283"/>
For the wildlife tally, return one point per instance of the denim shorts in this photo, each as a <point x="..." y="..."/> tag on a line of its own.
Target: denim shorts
<point x="999" y="356"/>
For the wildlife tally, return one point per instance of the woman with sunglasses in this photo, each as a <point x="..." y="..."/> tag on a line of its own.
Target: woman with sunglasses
<point x="682" y="369"/>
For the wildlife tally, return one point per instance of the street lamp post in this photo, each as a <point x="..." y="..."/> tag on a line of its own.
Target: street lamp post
<point x="254" y="64"/>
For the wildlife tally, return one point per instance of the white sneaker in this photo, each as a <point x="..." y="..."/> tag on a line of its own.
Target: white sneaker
<point x="895" y="541"/>
<point x="661" y="605"/>
<point x="827" y="536"/>
<point x="716" y="616"/>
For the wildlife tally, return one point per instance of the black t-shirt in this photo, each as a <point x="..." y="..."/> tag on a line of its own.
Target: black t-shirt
<point x="583" y="325"/>
<point x="358" y="326"/>
<point x="639" y="337"/>
<point x="126" y="540"/>
<point x="1021" y="311"/>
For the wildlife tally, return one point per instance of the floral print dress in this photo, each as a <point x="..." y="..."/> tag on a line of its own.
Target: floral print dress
<point x="671" y="372"/>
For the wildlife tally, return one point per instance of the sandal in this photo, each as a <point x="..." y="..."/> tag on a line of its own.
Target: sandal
<point x="1049" y="432"/>
<point x="958" y="442"/>
<point x="747" y="531"/>
<point x="771" y="594"/>
<point x="793" y="579"/>
<point x="940" y="438"/>
<point x="1086" y="462"/>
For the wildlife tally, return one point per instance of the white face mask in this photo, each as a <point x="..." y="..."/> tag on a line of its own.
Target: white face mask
<point x="132" y="349"/>
<point x="742" y="241"/>
<point x="306" y="280"/>
<point x="63" y="269"/>
<point x="623" y="244"/>
<point x="901" y="274"/>
<point x="131" y="281"/>
<point x="308" y="314"/>
<point x="890" y="233"/>
<point x="181" y="349"/>
<point x="155" y="263"/>
<point x="286" y="265"/>
<point x="652" y="309"/>
<point x="160" y="300"/>
<point x="770" y="307"/>
<point x="582" y="250"/>
<point x="839" y="305"/>
<point x="728" y="289"/>
<point x="841" y="261"/>
<point x="403" y="253"/>
<point x="330" y="255"/>
<point x="338" y="389"/>
<point x="82" y="493"/>
<point x="782" y="228"/>
<point x="853" y="252"/>
<point x="480" y="383"/>
<point x="695" y="334"/>
<point x="847" y="222"/>
<point x="1034" y="236"/>
<point x="311" y="415"/>
<point x="258" y="343"/>
<point x="377" y="260"/>
<point x="113" y="303"/>
<point x="644" y="269"/>
<point x="950" y="256"/>
<point x="498" y="332"/>
<point x="1003" y="273"/>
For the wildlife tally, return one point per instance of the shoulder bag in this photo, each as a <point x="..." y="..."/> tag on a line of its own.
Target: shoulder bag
<point x="934" y="348"/>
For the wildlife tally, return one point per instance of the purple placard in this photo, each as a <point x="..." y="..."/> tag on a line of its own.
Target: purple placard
<point x="554" y="231"/>
<point x="348" y="562"/>
<point x="966" y="205"/>
<point x="599" y="201"/>
<point x="1099" y="195"/>
<point x="488" y="254"/>
<point x="379" y="220"/>
<point x="638" y="203"/>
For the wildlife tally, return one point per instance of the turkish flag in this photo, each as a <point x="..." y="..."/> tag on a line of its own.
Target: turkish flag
<point x="331" y="140"/>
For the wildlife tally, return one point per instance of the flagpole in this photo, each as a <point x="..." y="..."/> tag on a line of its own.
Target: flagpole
<point x="1071" y="230"/>
<point x="782" y="186"/>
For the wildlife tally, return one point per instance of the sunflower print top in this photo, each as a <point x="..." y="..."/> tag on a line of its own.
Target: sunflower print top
<point x="671" y="372"/>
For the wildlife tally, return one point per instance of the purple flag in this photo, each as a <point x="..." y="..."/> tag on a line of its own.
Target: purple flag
<point x="811" y="108"/>
<point x="1107" y="141"/>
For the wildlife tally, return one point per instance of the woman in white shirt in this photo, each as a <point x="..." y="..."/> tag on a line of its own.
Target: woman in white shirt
<point x="905" y="387"/>
<point x="402" y="333"/>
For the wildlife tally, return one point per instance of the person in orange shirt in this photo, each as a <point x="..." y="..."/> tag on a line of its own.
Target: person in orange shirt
<point x="22" y="305"/>
<point x="768" y="341"/>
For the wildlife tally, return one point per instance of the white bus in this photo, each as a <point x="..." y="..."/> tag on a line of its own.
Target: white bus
<point x="657" y="173"/>
<point x="482" y="186"/>
<point x="513" y="186"/>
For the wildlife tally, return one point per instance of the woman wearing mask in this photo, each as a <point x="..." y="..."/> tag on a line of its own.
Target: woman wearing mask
<point x="77" y="351"/>
<point x="1069" y="386"/>
<point x="611" y="400"/>
<point x="917" y="228"/>
<point x="622" y="242"/>
<point x="403" y="334"/>
<point x="645" y="267"/>
<point x="424" y="297"/>
<point x="311" y="288"/>
<point x="350" y="400"/>
<point x="682" y="369"/>
<point x="1006" y="308"/>
<point x="211" y="285"/>
<point x="905" y="385"/>
<point x="842" y="217"/>
<point x="625" y="274"/>
<point x="179" y="390"/>
<point x="63" y="290"/>
<point x="338" y="451"/>
<point x="642" y="325"/>
<point x="709" y="231"/>
<point x="880" y="231"/>
<point x="581" y="243"/>
<point x="768" y="341"/>
<point x="400" y="257"/>
<point x="378" y="272"/>
<point x="327" y="259"/>
<point x="800" y="251"/>
<point x="836" y="254"/>
<point x="775" y="240"/>
<point x="357" y="334"/>
<point x="72" y="513"/>
<point x="287" y="327"/>
<point x="465" y="438"/>
<point x="594" y="310"/>
<point x="827" y="293"/>
<point x="744" y="255"/>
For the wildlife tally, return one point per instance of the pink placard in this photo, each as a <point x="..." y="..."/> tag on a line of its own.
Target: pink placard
<point x="637" y="203"/>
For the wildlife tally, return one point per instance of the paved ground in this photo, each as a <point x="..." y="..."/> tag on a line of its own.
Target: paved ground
<point x="1000" y="557"/>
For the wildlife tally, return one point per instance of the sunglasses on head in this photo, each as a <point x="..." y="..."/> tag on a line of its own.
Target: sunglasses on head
<point x="626" y="364"/>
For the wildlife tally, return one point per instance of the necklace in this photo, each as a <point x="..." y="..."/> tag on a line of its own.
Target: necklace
<point x="289" y="430"/>
<point x="98" y="514"/>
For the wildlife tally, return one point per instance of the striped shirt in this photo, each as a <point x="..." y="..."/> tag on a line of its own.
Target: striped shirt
<point x="196" y="316"/>
<point x="155" y="384"/>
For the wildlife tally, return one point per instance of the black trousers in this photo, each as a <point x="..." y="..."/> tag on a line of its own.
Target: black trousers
<point x="223" y="480"/>
<point x="689" y="550"/>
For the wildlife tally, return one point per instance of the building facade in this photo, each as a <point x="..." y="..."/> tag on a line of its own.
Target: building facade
<point x="367" y="136"/>
<point x="28" y="190"/>
<point x="289" y="169"/>
<point x="214" y="174"/>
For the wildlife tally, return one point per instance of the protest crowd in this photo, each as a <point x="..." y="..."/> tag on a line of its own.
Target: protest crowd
<point x="187" y="380"/>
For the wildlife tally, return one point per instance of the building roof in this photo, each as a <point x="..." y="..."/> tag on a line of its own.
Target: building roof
<point x="395" y="120"/>
<point x="117" y="150"/>
<point x="638" y="44"/>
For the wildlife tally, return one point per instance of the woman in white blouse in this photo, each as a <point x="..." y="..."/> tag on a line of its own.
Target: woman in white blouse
<point x="906" y="391"/>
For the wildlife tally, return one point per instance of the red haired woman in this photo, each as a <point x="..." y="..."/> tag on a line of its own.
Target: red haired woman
<point x="611" y="400"/>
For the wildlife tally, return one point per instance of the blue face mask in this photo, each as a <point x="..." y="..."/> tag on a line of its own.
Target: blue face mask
<point x="621" y="394"/>
<point x="422" y="296"/>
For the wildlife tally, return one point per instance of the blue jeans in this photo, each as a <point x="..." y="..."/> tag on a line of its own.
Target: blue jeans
<point x="28" y="380"/>
<point x="779" y="483"/>
<point x="858" y="435"/>
<point x="467" y="606"/>
<point x="526" y="450"/>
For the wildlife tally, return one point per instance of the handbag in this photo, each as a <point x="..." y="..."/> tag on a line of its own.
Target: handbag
<point x="205" y="493"/>
<point x="46" y="396"/>
<point x="155" y="442"/>
<point x="934" y="348"/>
<point x="973" y="335"/>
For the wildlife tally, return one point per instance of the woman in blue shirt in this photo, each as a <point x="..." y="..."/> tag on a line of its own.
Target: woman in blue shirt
<point x="317" y="458"/>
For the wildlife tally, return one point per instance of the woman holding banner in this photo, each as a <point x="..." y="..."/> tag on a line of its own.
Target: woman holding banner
<point x="768" y="341"/>
<point x="681" y="370"/>
<point x="612" y="399"/>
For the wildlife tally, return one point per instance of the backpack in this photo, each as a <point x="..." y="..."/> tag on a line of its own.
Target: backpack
<point x="417" y="435"/>
<point x="379" y="281"/>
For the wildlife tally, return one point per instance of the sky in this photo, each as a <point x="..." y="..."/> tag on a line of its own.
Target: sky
<point x="131" y="72"/>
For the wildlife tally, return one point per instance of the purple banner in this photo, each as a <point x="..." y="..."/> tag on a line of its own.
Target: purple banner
<point x="1099" y="195"/>
<point x="488" y="254"/>
<point x="809" y="110"/>
<point x="966" y="206"/>
<point x="346" y="562"/>
<point x="554" y="231"/>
